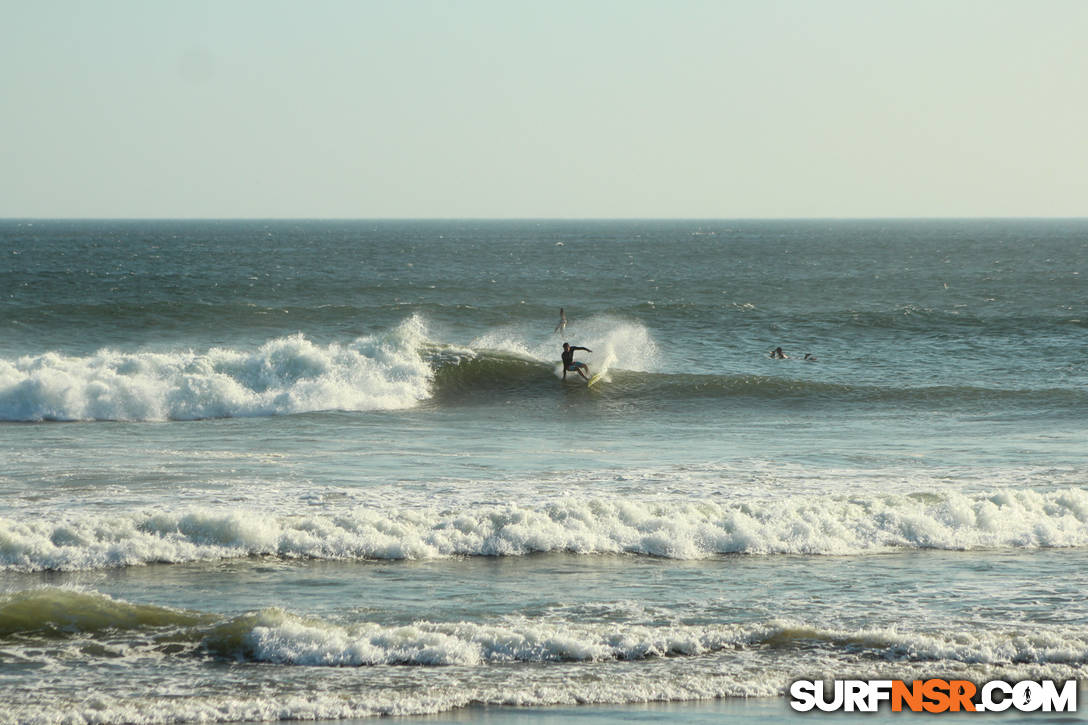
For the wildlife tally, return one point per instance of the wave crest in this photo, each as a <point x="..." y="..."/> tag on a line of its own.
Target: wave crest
<point x="57" y="611"/>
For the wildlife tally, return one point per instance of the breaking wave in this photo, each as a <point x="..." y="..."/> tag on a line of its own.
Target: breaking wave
<point x="278" y="636"/>
<point x="401" y="369"/>
<point x="806" y="525"/>
<point x="439" y="661"/>
<point x="392" y="371"/>
<point x="284" y="376"/>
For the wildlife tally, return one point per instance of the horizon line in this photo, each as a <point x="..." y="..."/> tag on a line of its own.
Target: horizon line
<point x="534" y="219"/>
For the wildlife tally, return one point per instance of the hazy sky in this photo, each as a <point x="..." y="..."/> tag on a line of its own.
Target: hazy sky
<point x="543" y="108"/>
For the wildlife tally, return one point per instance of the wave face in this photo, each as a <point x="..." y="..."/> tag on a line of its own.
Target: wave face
<point x="57" y="613"/>
<point x="828" y="525"/>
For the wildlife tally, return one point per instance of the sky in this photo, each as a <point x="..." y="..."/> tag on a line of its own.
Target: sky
<point x="543" y="109"/>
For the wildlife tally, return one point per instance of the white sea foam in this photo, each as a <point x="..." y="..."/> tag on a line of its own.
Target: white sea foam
<point x="630" y="345"/>
<point x="820" y="525"/>
<point x="317" y="704"/>
<point x="279" y="637"/>
<point x="285" y="375"/>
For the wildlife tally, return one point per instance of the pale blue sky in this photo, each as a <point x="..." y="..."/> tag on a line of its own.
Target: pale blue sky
<point x="509" y="108"/>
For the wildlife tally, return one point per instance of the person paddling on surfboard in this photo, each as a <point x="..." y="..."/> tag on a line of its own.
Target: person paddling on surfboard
<point x="572" y="365"/>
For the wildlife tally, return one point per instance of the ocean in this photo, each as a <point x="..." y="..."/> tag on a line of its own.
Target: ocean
<point x="330" y="470"/>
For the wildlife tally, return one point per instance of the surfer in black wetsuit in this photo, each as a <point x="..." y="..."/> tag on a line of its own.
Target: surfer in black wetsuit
<point x="572" y="365"/>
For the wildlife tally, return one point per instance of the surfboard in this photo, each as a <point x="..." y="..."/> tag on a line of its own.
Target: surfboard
<point x="605" y="364"/>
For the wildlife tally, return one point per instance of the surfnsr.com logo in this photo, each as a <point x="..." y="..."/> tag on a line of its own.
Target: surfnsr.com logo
<point x="934" y="695"/>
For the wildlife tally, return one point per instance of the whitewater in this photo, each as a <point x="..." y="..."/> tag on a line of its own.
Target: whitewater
<point x="835" y="525"/>
<point x="280" y="471"/>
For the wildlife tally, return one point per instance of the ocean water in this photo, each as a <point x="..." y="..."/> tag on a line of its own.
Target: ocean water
<point x="256" y="471"/>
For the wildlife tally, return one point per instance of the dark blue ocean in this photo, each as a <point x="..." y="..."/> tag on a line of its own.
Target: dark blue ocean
<point x="325" y="470"/>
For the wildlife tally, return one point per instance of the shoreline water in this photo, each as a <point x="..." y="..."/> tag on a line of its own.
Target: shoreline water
<point x="725" y="711"/>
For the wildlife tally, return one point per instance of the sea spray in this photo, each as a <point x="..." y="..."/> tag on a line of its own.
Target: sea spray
<point x="627" y="344"/>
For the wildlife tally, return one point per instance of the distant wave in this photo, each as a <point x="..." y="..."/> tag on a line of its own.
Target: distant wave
<point x="825" y="525"/>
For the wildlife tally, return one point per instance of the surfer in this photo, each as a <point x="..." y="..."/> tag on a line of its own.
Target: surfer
<point x="777" y="354"/>
<point x="562" y="326"/>
<point x="572" y="365"/>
